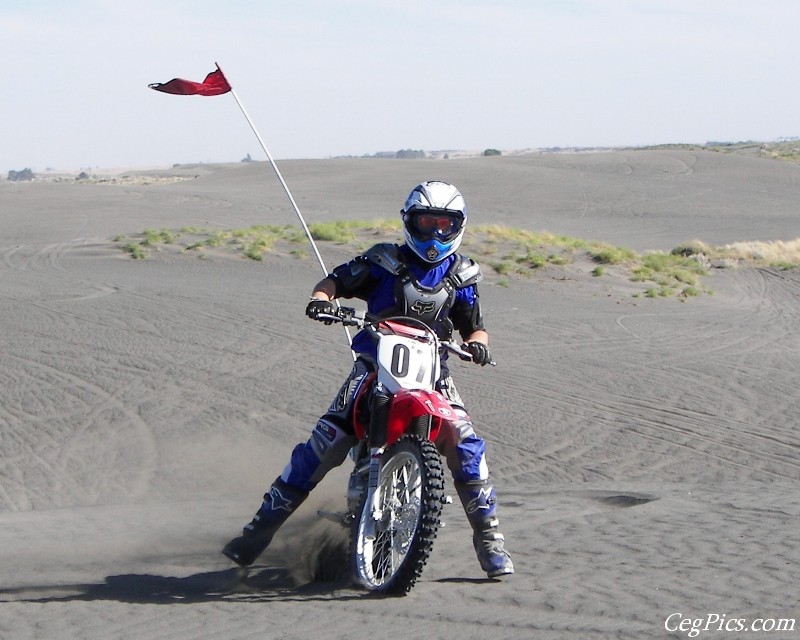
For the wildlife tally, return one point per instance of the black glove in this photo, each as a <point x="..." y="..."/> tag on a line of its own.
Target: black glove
<point x="317" y="307"/>
<point x="480" y="352"/>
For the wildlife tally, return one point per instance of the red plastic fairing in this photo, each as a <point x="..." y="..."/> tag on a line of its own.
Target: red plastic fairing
<point x="410" y="404"/>
<point x="406" y="330"/>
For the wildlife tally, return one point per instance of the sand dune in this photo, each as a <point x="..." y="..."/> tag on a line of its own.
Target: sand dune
<point x="646" y="451"/>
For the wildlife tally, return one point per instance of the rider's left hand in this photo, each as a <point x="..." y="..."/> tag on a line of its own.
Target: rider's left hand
<point x="480" y="352"/>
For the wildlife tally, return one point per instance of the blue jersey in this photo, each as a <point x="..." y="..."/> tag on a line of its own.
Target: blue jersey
<point x="383" y="291"/>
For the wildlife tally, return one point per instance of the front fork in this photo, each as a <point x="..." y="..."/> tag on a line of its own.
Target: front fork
<point x="380" y="402"/>
<point x="362" y="489"/>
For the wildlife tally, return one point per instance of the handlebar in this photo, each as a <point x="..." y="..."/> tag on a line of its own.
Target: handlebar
<point x="351" y="317"/>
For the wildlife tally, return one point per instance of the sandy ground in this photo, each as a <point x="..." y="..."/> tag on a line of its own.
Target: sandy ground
<point x="646" y="452"/>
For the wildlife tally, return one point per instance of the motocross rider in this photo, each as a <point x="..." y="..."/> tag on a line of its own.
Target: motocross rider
<point x="423" y="278"/>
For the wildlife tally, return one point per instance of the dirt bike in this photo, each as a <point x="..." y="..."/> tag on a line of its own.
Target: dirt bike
<point x="396" y="490"/>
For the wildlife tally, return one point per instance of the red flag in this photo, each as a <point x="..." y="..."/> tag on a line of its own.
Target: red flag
<point x="215" y="84"/>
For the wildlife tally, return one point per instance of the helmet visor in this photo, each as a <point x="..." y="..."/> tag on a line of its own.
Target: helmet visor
<point x="435" y="224"/>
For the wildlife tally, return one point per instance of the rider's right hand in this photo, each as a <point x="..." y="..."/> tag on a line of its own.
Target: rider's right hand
<point x="318" y="307"/>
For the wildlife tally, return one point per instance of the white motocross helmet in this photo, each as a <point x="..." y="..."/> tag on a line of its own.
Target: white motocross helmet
<point x="434" y="219"/>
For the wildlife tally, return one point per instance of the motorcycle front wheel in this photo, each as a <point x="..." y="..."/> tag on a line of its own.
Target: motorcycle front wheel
<point x="391" y="544"/>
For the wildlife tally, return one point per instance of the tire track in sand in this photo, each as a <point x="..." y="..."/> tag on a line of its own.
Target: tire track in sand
<point x="74" y="442"/>
<point x="671" y="395"/>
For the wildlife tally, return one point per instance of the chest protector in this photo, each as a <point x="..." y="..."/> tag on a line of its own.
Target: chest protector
<point x="431" y="305"/>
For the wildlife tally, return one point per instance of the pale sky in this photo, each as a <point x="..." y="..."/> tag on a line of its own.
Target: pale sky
<point x="322" y="78"/>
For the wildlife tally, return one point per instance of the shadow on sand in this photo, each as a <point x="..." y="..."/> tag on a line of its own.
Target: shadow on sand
<point x="256" y="585"/>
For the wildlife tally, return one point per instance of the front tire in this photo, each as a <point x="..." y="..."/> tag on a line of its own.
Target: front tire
<point x="390" y="552"/>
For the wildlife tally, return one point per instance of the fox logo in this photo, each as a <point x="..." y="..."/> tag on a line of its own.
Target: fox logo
<point x="421" y="307"/>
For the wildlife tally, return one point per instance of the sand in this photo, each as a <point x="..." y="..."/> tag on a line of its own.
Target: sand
<point x="646" y="452"/>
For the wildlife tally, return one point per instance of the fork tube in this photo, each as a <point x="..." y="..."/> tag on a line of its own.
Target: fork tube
<point x="378" y="422"/>
<point x="379" y="418"/>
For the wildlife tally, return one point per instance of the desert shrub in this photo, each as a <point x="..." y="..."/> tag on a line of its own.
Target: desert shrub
<point x="217" y="239"/>
<point x="410" y="153"/>
<point x="158" y="236"/>
<point x="339" y="231"/>
<point x="20" y="176"/>
<point x="533" y="259"/>
<point x="560" y="259"/>
<point x="256" y="248"/>
<point x="137" y="251"/>
<point x="611" y="255"/>
<point x="692" y="248"/>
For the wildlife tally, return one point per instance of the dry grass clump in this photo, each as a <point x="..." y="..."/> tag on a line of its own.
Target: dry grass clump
<point x="774" y="253"/>
<point x="509" y="252"/>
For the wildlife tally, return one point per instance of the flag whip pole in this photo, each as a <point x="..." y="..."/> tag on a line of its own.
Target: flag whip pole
<point x="285" y="188"/>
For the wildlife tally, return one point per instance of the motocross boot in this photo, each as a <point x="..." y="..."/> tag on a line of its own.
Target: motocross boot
<point x="480" y="505"/>
<point x="279" y="503"/>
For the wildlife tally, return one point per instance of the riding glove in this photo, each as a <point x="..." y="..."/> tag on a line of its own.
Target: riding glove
<point x="480" y="352"/>
<point x="317" y="307"/>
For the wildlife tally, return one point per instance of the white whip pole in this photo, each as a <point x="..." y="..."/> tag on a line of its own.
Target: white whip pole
<point x="285" y="188"/>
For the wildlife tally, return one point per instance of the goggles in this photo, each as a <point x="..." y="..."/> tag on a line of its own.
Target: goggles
<point x="436" y="224"/>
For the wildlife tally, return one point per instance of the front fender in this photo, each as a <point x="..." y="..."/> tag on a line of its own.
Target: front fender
<point x="409" y="404"/>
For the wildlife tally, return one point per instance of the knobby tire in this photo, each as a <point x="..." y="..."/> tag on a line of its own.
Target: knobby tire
<point x="392" y="562"/>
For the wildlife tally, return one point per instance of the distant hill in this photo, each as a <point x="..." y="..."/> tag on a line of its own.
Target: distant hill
<point x="787" y="148"/>
<point x="783" y="149"/>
